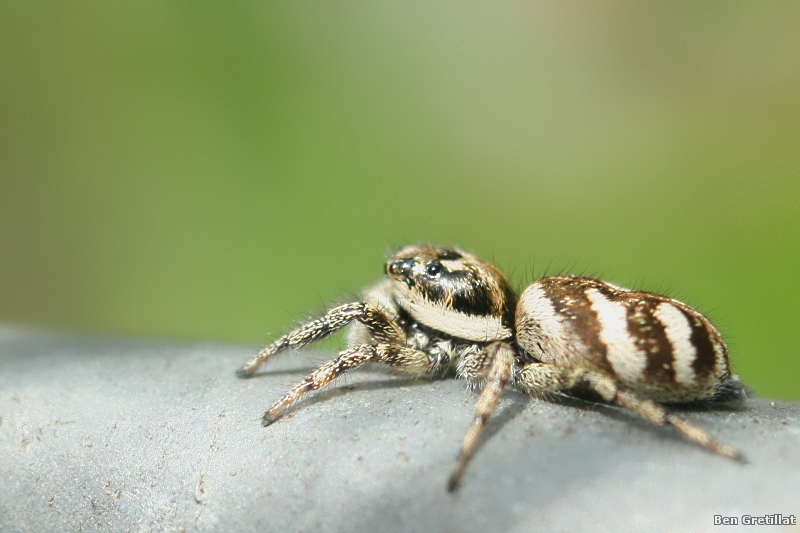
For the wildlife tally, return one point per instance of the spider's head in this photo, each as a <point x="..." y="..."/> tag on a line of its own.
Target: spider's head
<point x="453" y="292"/>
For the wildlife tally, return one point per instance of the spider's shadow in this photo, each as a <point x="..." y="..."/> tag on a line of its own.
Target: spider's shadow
<point x="376" y="384"/>
<point x="512" y="402"/>
<point x="515" y="401"/>
<point x="340" y="387"/>
<point x="589" y="401"/>
<point x="284" y="372"/>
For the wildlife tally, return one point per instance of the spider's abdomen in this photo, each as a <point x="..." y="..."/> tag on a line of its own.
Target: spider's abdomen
<point x="654" y="345"/>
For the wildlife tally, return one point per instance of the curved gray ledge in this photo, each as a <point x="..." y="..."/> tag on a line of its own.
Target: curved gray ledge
<point x="121" y="435"/>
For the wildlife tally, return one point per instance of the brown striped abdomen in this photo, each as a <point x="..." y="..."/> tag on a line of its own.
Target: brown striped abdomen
<point x="654" y="345"/>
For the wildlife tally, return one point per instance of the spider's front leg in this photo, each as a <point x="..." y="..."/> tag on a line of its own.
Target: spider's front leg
<point x="495" y="365"/>
<point x="381" y="328"/>
<point x="399" y="357"/>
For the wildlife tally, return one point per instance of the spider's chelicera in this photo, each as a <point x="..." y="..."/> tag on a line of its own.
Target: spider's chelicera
<point x="443" y="306"/>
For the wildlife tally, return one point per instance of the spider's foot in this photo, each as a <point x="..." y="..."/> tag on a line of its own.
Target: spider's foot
<point x="731" y="453"/>
<point x="267" y="419"/>
<point x="452" y="484"/>
<point x="242" y="373"/>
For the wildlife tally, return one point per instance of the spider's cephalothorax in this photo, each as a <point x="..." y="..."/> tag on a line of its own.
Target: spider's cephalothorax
<point x="453" y="292"/>
<point x="442" y="305"/>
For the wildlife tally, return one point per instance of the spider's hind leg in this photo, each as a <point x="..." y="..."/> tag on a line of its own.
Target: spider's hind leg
<point x="543" y="378"/>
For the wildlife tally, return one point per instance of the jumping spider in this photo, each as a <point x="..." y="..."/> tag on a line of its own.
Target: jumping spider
<point x="443" y="306"/>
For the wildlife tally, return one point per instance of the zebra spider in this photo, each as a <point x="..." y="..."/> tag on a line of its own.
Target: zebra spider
<point x="444" y="307"/>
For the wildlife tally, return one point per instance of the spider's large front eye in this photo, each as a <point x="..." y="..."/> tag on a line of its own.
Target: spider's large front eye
<point x="433" y="268"/>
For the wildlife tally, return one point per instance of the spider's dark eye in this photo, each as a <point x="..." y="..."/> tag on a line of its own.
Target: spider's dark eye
<point x="433" y="268"/>
<point x="449" y="254"/>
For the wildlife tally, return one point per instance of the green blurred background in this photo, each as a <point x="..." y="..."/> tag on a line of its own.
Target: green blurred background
<point x="199" y="170"/>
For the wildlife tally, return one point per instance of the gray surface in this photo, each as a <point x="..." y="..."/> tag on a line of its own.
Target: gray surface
<point x="122" y="435"/>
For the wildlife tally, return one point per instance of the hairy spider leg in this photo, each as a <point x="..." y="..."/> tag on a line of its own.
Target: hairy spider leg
<point x="398" y="357"/>
<point x="498" y="357"/>
<point x="542" y="378"/>
<point x="381" y="329"/>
